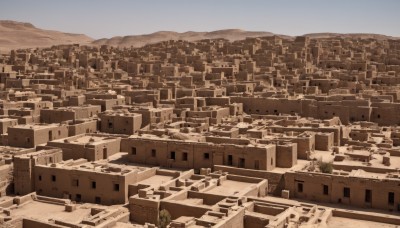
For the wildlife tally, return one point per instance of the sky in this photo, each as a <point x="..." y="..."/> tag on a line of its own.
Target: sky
<point x="108" y="18"/>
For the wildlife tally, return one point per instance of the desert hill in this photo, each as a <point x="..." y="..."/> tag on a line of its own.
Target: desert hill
<point x="25" y="35"/>
<point x="14" y="35"/>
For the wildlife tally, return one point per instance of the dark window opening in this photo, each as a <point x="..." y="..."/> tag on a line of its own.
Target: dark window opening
<point x="110" y="125"/>
<point x="105" y="153"/>
<point x="368" y="196"/>
<point x="172" y="155"/>
<point x="53" y="178"/>
<point x="379" y="116"/>
<point x="241" y="162"/>
<point x="230" y="160"/>
<point x="133" y="150"/>
<point x="346" y="192"/>
<point x="206" y="156"/>
<point x="184" y="156"/>
<point x="78" y="198"/>
<point x="391" y="198"/>
<point x="75" y="182"/>
<point x="93" y="184"/>
<point x="40" y="177"/>
<point x="153" y="152"/>
<point x="299" y="187"/>
<point x="116" y="187"/>
<point x="326" y="190"/>
<point x="97" y="200"/>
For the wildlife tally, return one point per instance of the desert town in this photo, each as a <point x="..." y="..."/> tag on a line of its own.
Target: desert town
<point x="262" y="132"/>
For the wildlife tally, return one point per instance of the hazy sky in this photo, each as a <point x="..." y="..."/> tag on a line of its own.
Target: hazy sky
<point x="107" y="18"/>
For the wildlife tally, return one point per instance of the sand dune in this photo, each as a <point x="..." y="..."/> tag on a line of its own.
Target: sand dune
<point x="15" y="35"/>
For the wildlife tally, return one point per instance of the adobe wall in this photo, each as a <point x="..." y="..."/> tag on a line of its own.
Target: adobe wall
<point x="88" y="126"/>
<point x="65" y="185"/>
<point x="177" y="209"/>
<point x="253" y="221"/>
<point x="144" y="210"/>
<point x="90" y="152"/>
<point x="234" y="220"/>
<point x="56" y="116"/>
<point x="395" y="220"/>
<point x="43" y="135"/>
<point x="286" y="155"/>
<point x="18" y="137"/>
<point x="324" y="141"/>
<point x="313" y="189"/>
<point x="32" y="223"/>
<point x="116" y="124"/>
<point x="250" y="157"/>
<point x="275" y="184"/>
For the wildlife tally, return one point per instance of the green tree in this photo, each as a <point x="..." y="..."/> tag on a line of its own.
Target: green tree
<point x="164" y="218"/>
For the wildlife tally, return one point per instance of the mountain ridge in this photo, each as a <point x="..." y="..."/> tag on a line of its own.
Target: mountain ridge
<point x="16" y="35"/>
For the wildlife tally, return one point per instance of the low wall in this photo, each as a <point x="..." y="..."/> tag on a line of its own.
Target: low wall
<point x="275" y="180"/>
<point x="391" y="219"/>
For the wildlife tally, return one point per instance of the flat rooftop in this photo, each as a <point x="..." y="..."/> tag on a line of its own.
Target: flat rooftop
<point x="230" y="188"/>
<point x="45" y="211"/>
<point x="86" y="140"/>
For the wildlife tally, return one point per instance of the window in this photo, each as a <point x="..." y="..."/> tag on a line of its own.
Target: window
<point x="206" y="156"/>
<point x="230" y="160"/>
<point x="28" y="140"/>
<point x="346" y="192"/>
<point x="241" y="162"/>
<point x="325" y="189"/>
<point x="116" y="187"/>
<point x="172" y="155"/>
<point x="299" y="187"/>
<point x="93" y="184"/>
<point x="53" y="178"/>
<point x="379" y="116"/>
<point x="97" y="200"/>
<point x="153" y="153"/>
<point x="78" y="198"/>
<point x="133" y="150"/>
<point x="40" y="177"/>
<point x="391" y="198"/>
<point x="110" y="125"/>
<point x="368" y="196"/>
<point x="75" y="182"/>
<point x="184" y="156"/>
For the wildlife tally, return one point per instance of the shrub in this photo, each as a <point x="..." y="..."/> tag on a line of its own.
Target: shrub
<point x="164" y="218"/>
<point x="325" y="167"/>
